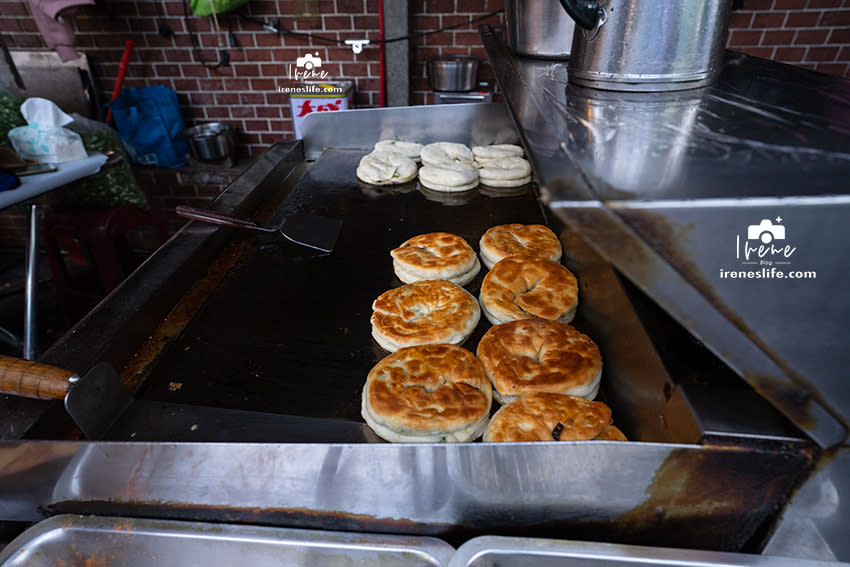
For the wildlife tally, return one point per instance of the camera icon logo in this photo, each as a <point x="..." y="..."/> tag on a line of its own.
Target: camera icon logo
<point x="766" y="231"/>
<point x="309" y="61"/>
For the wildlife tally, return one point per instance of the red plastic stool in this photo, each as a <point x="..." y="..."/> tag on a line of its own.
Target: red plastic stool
<point x="95" y="238"/>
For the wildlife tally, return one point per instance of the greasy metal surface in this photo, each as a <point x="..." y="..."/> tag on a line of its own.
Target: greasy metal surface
<point x="280" y="177"/>
<point x="535" y="552"/>
<point x="288" y="329"/>
<point x="146" y="420"/>
<point x="91" y="541"/>
<point x="115" y="329"/>
<point x="636" y="380"/>
<point x="29" y="473"/>
<point x="814" y="524"/>
<point x="710" y="497"/>
<point x="661" y="183"/>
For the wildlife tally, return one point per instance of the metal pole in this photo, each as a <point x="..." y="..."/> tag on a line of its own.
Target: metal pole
<point x="31" y="285"/>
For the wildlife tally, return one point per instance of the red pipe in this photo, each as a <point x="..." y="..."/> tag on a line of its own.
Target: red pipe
<point x="122" y="70"/>
<point x="383" y="95"/>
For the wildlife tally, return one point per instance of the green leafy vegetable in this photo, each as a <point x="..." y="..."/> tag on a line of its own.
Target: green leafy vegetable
<point x="10" y="116"/>
<point x="109" y="188"/>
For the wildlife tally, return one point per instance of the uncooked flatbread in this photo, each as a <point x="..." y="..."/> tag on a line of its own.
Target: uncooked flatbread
<point x="449" y="176"/>
<point x="505" y="172"/>
<point x="386" y="168"/>
<point x="496" y="151"/>
<point x="410" y="149"/>
<point x="446" y="152"/>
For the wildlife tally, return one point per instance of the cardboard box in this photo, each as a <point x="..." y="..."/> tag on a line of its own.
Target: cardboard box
<point x="325" y="96"/>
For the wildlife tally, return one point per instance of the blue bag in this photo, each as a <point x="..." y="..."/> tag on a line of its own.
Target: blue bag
<point x="8" y="180"/>
<point x="150" y="124"/>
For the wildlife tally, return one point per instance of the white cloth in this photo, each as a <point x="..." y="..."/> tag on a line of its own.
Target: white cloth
<point x="34" y="185"/>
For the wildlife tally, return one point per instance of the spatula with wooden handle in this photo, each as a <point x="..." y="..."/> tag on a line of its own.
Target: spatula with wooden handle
<point x="94" y="401"/>
<point x="102" y="408"/>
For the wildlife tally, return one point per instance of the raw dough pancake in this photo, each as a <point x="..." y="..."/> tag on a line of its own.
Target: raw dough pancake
<point x="522" y="287"/>
<point x="449" y="176"/>
<point x="420" y="313"/>
<point x="548" y="417"/>
<point x="445" y="152"/>
<point x="431" y="393"/>
<point x="505" y="172"/>
<point x="435" y="256"/>
<point x="506" y="182"/>
<point x="386" y="168"/>
<point x="536" y="355"/>
<point x="517" y="239"/>
<point x="410" y="149"/>
<point x="496" y="151"/>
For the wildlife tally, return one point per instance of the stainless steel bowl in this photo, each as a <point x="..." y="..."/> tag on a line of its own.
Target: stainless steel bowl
<point x="211" y="142"/>
<point x="453" y="73"/>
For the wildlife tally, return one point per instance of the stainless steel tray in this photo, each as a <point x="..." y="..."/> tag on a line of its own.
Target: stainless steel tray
<point x="529" y="552"/>
<point x="91" y="541"/>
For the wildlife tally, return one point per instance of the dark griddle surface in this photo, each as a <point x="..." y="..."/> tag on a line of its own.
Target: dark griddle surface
<point x="288" y="329"/>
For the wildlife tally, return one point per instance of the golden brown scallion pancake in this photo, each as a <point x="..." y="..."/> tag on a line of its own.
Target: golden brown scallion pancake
<point x="536" y="355"/>
<point x="430" y="393"/>
<point x="548" y="417"/>
<point x="517" y="239"/>
<point x="426" y="312"/>
<point x="522" y="287"/>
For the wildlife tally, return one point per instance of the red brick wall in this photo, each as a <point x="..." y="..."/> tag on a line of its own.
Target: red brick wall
<point x="814" y="34"/>
<point x="810" y="33"/>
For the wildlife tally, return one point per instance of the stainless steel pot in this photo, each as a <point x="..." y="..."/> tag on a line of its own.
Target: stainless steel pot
<point x="647" y="45"/>
<point x="453" y="73"/>
<point x="211" y="142"/>
<point x="539" y="28"/>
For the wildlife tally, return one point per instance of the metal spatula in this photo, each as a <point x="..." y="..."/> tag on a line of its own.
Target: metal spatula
<point x="306" y="229"/>
<point x="102" y="407"/>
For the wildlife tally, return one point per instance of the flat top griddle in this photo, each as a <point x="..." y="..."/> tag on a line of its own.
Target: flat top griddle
<point x="288" y="329"/>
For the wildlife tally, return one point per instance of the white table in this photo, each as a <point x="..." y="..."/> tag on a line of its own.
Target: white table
<point x="31" y="187"/>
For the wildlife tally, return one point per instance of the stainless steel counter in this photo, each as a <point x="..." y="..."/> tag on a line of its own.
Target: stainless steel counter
<point x="673" y="189"/>
<point x="681" y="481"/>
<point x="717" y="488"/>
<point x="665" y="186"/>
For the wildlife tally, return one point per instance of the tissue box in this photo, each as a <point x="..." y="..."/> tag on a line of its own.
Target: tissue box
<point x="54" y="145"/>
<point x="44" y="139"/>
